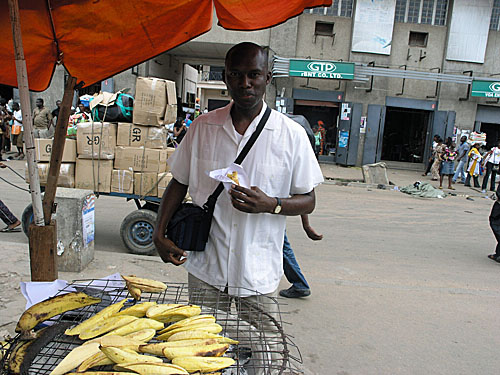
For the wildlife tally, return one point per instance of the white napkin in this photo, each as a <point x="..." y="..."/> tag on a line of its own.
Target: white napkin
<point x="221" y="175"/>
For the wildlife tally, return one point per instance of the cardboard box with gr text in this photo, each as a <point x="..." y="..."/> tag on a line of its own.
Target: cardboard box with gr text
<point x="96" y="139"/>
<point x="137" y="135"/>
<point x="43" y="150"/>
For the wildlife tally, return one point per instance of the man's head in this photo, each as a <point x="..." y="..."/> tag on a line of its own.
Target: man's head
<point x="81" y="107"/>
<point x="58" y="103"/>
<point x="463" y="138"/>
<point x="39" y="103"/>
<point x="436" y="137"/>
<point x="246" y="74"/>
<point x="3" y="102"/>
<point x="15" y="106"/>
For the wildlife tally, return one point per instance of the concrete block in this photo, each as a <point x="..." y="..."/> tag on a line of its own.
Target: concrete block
<point x="75" y="228"/>
<point x="375" y="174"/>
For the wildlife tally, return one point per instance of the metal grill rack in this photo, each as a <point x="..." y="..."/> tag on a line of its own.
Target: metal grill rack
<point x="263" y="346"/>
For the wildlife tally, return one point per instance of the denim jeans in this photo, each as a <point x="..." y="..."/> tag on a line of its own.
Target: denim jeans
<point x="291" y="267"/>
<point x="459" y="172"/>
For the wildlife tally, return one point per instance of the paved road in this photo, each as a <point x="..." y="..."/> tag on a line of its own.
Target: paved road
<point x="399" y="285"/>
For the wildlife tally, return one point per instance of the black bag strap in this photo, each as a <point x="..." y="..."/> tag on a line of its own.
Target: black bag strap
<point x="210" y="203"/>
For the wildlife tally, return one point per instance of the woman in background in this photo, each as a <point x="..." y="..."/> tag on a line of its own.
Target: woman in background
<point x="474" y="165"/>
<point x="447" y="156"/>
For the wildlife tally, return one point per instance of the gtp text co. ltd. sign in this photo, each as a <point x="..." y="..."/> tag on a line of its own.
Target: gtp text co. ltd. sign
<point x="321" y="69"/>
<point x="486" y="89"/>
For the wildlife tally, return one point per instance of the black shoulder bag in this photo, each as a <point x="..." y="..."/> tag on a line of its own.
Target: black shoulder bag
<point x="190" y="225"/>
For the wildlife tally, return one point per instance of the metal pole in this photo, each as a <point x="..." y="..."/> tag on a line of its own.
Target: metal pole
<point x="22" y="84"/>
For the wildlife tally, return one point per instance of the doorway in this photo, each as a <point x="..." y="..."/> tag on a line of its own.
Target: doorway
<point x="328" y="115"/>
<point x="492" y="133"/>
<point x="405" y="133"/>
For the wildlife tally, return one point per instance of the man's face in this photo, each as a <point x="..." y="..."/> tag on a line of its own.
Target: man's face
<point x="58" y="103"/>
<point x="246" y="76"/>
<point x="39" y="103"/>
<point x="463" y="139"/>
<point x="15" y="107"/>
<point x="81" y="107"/>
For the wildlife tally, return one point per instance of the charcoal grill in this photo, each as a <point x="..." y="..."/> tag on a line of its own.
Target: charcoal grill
<point x="263" y="346"/>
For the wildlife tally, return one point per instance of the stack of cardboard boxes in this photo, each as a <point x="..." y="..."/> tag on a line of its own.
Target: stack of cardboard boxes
<point x="129" y="158"/>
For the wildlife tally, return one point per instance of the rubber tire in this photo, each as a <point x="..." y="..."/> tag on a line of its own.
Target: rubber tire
<point x="27" y="219"/>
<point x="136" y="232"/>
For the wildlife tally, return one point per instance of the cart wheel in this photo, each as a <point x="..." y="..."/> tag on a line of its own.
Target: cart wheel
<point x="137" y="232"/>
<point x="27" y="219"/>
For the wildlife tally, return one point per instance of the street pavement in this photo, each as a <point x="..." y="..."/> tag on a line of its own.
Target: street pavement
<point x="400" y="285"/>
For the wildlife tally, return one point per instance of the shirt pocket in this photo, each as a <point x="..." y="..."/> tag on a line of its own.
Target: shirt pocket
<point x="274" y="180"/>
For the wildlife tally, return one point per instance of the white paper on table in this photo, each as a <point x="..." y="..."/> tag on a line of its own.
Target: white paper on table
<point x="221" y="175"/>
<point x="35" y="291"/>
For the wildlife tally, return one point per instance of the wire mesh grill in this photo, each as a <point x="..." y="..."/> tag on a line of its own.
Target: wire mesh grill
<point x="256" y="323"/>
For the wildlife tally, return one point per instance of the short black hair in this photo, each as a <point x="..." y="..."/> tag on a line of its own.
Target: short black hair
<point x="246" y="45"/>
<point x="40" y="100"/>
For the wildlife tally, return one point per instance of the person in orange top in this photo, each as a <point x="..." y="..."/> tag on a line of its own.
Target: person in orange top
<point x="322" y="131"/>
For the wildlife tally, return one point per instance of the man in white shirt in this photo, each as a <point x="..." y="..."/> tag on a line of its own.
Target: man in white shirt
<point x="17" y="130"/>
<point x="492" y="159"/>
<point x="243" y="255"/>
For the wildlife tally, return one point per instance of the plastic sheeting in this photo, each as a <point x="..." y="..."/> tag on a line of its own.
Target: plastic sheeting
<point x="97" y="39"/>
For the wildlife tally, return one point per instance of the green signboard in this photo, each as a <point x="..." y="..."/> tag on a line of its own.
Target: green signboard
<point x="486" y="89"/>
<point x="321" y="69"/>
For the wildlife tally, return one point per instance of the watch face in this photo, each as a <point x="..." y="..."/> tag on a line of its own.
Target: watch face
<point x="277" y="209"/>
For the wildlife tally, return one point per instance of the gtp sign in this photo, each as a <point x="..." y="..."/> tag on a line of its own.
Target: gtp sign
<point x="321" y="69"/>
<point x="486" y="89"/>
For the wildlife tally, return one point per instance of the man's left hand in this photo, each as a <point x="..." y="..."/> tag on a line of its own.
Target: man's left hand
<point x="251" y="200"/>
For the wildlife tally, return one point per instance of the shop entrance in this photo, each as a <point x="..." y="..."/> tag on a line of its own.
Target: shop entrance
<point x="492" y="133"/>
<point x="405" y="132"/>
<point x="326" y="112"/>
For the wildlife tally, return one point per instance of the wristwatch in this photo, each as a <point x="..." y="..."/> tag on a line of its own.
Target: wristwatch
<point x="277" y="209"/>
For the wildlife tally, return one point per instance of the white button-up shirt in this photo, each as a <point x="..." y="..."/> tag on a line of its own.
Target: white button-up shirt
<point x="494" y="156"/>
<point x="244" y="250"/>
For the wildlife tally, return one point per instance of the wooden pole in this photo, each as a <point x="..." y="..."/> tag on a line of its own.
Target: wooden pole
<point x="42" y="238"/>
<point x="58" y="149"/>
<point x="22" y="84"/>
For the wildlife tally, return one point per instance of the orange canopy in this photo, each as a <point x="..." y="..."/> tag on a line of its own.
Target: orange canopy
<point x="96" y="39"/>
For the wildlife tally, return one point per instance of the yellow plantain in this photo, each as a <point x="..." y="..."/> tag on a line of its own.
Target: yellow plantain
<point x="75" y="358"/>
<point x="152" y="368"/>
<point x="51" y="307"/>
<point x="187" y="311"/>
<point x="138" y="310"/>
<point x="99" y="373"/>
<point x="207" y="327"/>
<point x="96" y="319"/>
<point x="199" y="334"/>
<point x="160" y="308"/>
<point x="190" y="321"/>
<point x="212" y="350"/>
<point x="134" y="291"/>
<point x="117" y="341"/>
<point x="157" y="348"/>
<point x="137" y="325"/>
<point x="118" y="355"/>
<point x="98" y="359"/>
<point x="144" y="335"/>
<point x="146" y="285"/>
<point x="203" y="364"/>
<point x="106" y="326"/>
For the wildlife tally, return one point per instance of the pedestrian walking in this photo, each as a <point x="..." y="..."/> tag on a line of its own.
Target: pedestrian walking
<point x="436" y="164"/>
<point x="322" y="131"/>
<point x="474" y="167"/>
<point x="495" y="226"/>
<point x="317" y="140"/>
<point x="447" y="156"/>
<point x="293" y="273"/>
<point x="431" y="158"/>
<point x="492" y="161"/>
<point x="462" y="158"/>
<point x="7" y="216"/>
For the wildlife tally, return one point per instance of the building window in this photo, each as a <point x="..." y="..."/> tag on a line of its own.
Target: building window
<point x="430" y="12"/>
<point x="418" y="39"/>
<point x="495" y="16"/>
<point x="323" y="28"/>
<point x="339" y="8"/>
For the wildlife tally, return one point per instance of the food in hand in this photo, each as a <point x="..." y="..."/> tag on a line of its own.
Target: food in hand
<point x="51" y="307"/>
<point x="234" y="176"/>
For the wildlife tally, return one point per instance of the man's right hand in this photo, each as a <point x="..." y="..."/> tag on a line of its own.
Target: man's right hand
<point x="168" y="252"/>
